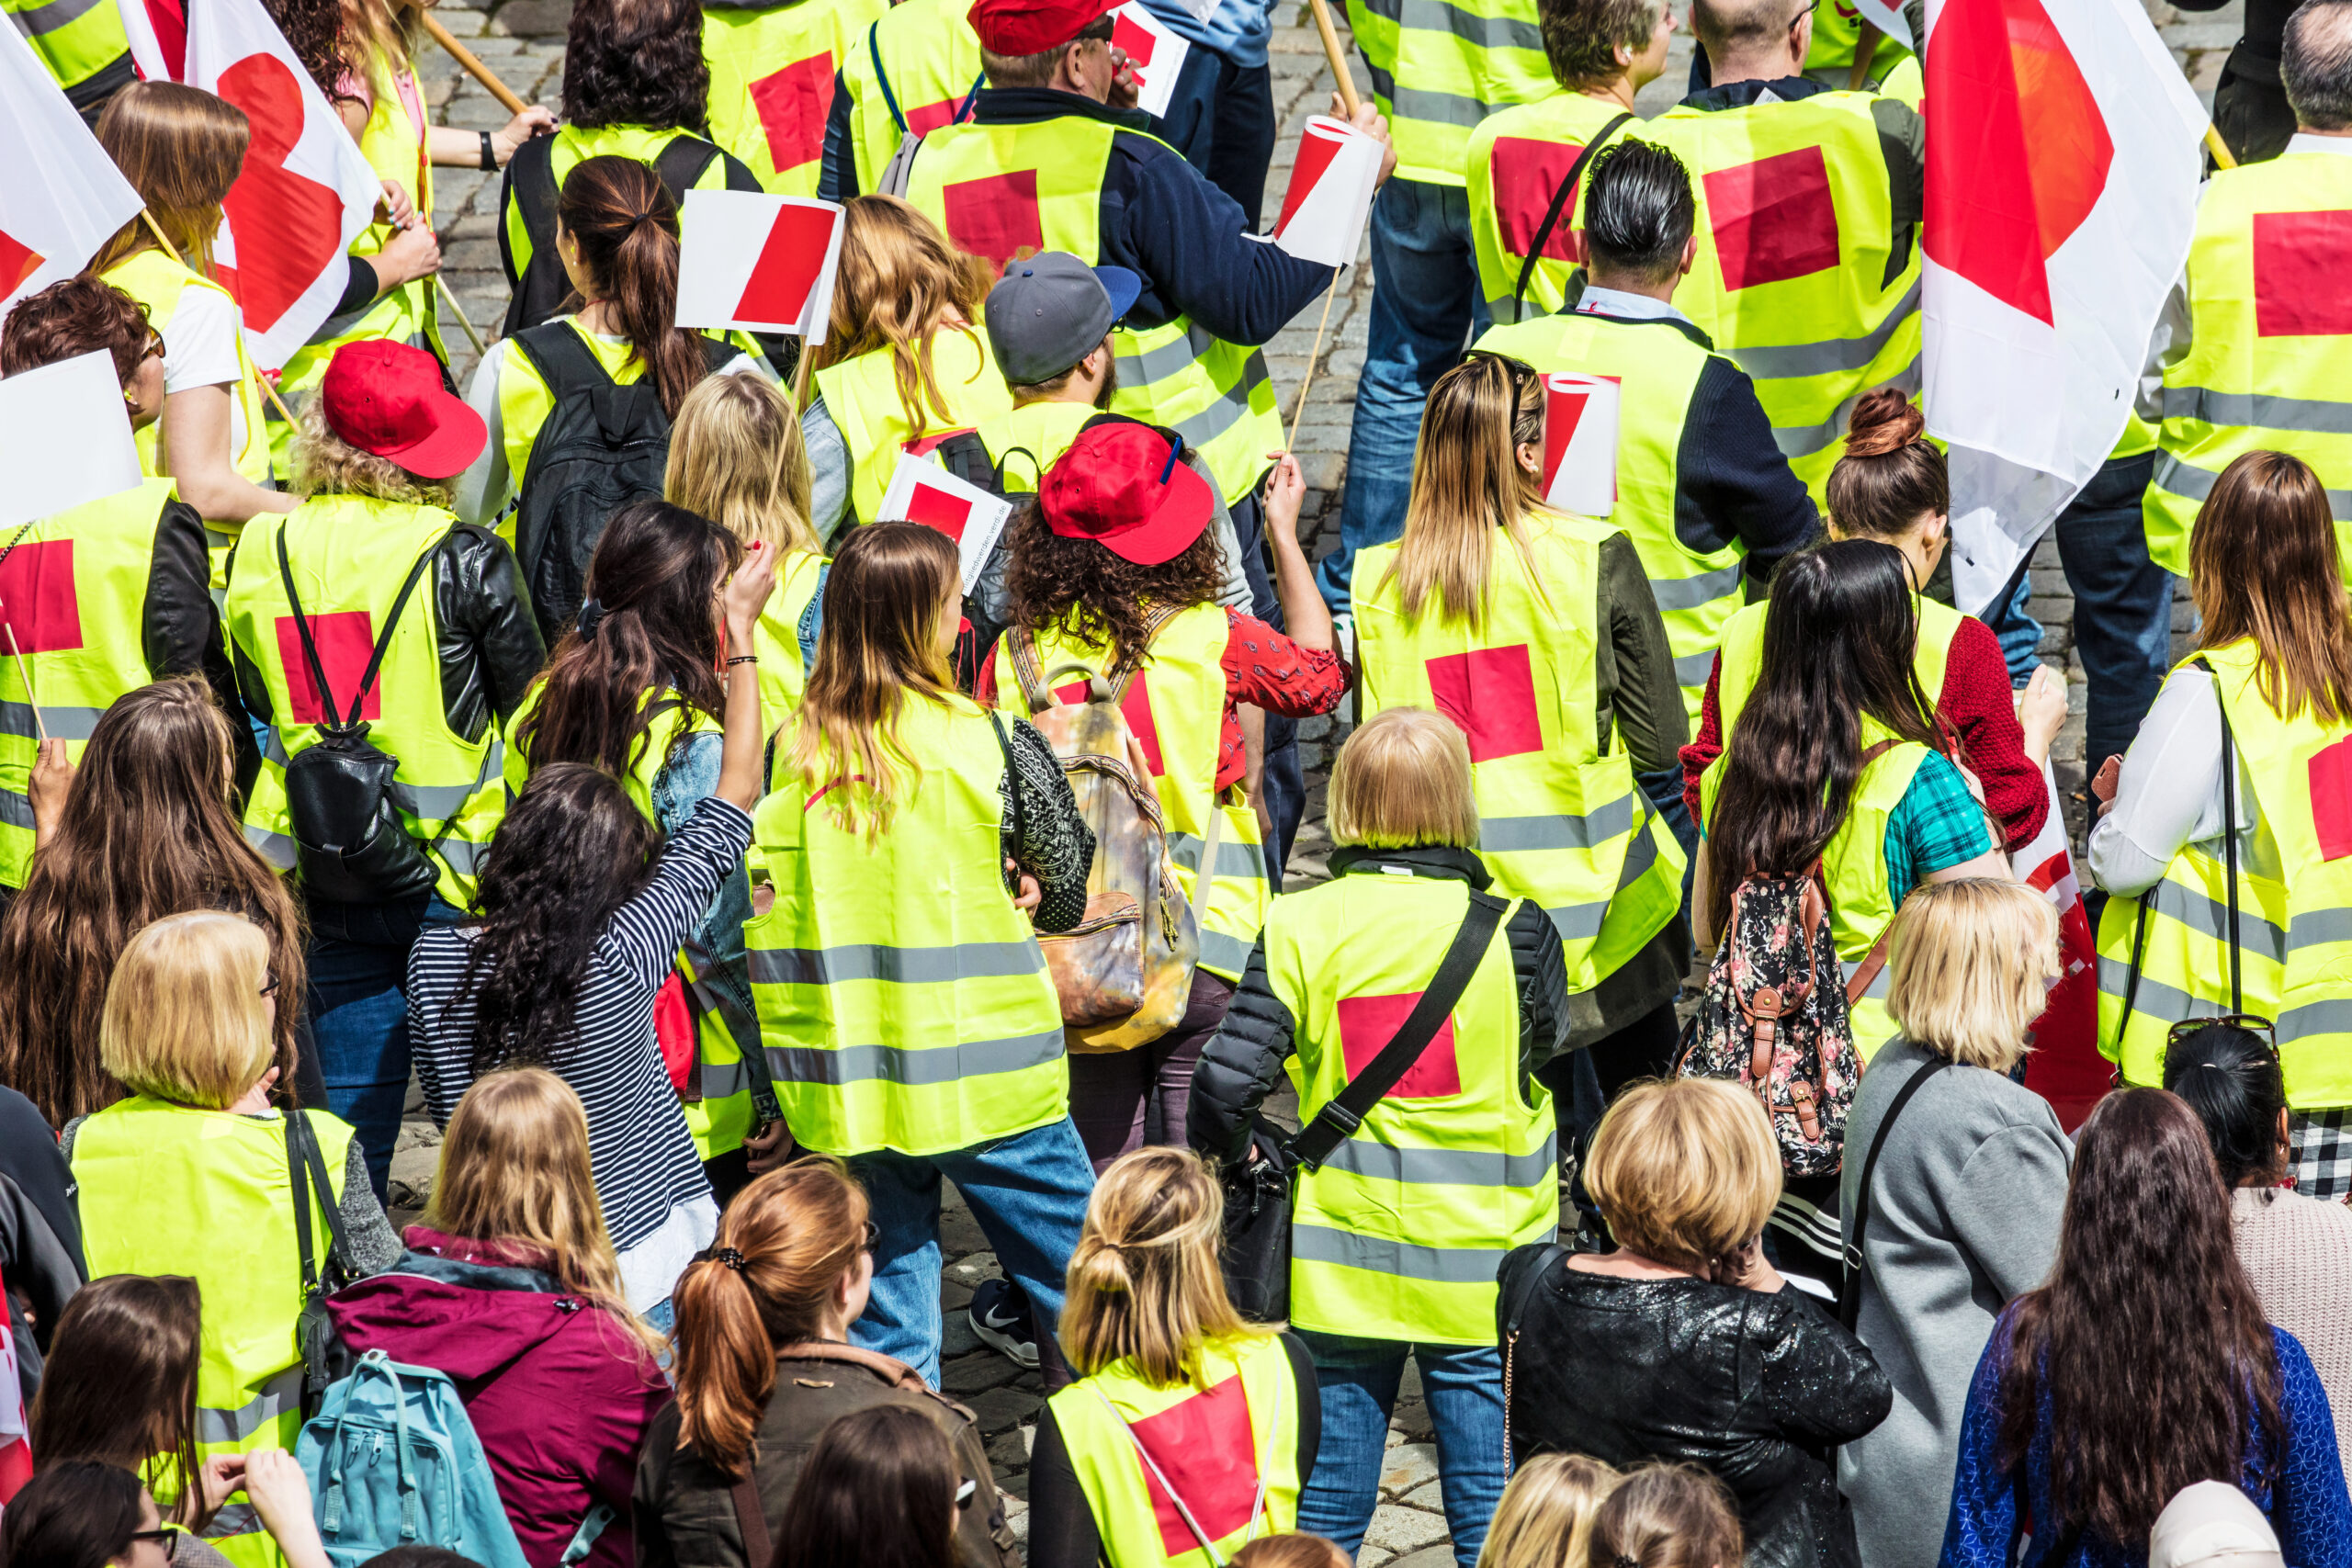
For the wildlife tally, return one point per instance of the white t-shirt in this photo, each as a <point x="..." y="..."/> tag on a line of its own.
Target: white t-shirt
<point x="201" y="350"/>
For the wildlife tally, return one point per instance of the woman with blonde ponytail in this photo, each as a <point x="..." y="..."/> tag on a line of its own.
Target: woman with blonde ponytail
<point x="1178" y="1396"/>
<point x="765" y="1364"/>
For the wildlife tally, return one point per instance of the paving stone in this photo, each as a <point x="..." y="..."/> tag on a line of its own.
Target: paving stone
<point x="1399" y="1529"/>
<point x="1437" y="1556"/>
<point x="977" y="1371"/>
<point x="1001" y="1409"/>
<point x="536" y="18"/>
<point x="1429" y="1495"/>
<point x="957" y="1335"/>
<point x="1408" y="1466"/>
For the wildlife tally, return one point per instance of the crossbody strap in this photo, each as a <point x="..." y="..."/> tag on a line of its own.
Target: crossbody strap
<point x="1552" y="213"/>
<point x="751" y="1522"/>
<point x="306" y="1169"/>
<point x="2229" y="831"/>
<point x="1849" y="1290"/>
<point x="1183" y="1510"/>
<point x="375" y="654"/>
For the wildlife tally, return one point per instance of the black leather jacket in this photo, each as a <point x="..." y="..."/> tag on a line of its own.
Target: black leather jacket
<point x="1758" y="1389"/>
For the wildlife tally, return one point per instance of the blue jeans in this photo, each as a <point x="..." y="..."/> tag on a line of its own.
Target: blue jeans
<point x="1426" y="307"/>
<point x="1221" y="117"/>
<point x="1357" y="1379"/>
<point x="358" y="1004"/>
<point x="1028" y="1193"/>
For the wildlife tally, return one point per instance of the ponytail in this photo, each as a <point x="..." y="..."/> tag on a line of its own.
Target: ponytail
<point x="617" y="210"/>
<point x="1667" y="1516"/>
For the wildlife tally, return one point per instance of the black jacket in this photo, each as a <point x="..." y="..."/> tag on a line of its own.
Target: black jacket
<point x="1241" y="1065"/>
<point x="1758" y="1389"/>
<point x="40" y="1242"/>
<point x="179" y="627"/>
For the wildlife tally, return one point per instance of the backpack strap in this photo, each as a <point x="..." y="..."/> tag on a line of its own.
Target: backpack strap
<point x="375" y="654"/>
<point x="307" y="1167"/>
<point x="1849" y="1289"/>
<point x="531" y="181"/>
<point x="1858" y="983"/>
<point x="1552" y="213"/>
<point x="1021" y="644"/>
<point x="563" y="361"/>
<point x="584" y="1540"/>
<point x="751" y="1521"/>
<point x="2229" y="833"/>
<point x="680" y="163"/>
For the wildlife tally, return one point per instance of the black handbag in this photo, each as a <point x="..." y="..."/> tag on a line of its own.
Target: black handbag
<point x="324" y="1355"/>
<point x="1255" y="1259"/>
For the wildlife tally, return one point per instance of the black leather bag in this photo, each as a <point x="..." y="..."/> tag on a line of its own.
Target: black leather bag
<point x="324" y="1355"/>
<point x="1255" y="1259"/>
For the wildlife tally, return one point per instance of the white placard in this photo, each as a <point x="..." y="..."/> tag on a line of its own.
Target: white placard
<point x="1154" y="54"/>
<point x="1330" y="192"/>
<point x="922" y="491"/>
<point x="758" y="263"/>
<point x="64" y="438"/>
<point x="1580" y="442"/>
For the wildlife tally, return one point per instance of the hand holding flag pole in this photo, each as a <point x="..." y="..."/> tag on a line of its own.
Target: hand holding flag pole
<point x="475" y="69"/>
<point x="1332" y="52"/>
<point x="40" y="726"/>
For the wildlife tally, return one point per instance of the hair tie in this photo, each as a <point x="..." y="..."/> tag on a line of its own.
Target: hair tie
<point x="732" y="1259"/>
<point x="1622" y="1561"/>
<point x="590" y="615"/>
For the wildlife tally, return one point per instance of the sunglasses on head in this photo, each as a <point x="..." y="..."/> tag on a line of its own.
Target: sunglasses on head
<point x="2251" y="1023"/>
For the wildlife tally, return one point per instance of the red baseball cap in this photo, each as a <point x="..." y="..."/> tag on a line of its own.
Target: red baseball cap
<point x="1124" y="485"/>
<point x="1033" y="27"/>
<point x="386" y="399"/>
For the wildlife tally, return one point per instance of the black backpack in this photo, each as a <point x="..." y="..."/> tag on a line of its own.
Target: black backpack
<point x="542" y="288"/>
<point x="603" y="446"/>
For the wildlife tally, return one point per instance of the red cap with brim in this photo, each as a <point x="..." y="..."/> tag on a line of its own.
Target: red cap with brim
<point x="386" y="399"/>
<point x="1033" y="27"/>
<point x="1124" y="485"/>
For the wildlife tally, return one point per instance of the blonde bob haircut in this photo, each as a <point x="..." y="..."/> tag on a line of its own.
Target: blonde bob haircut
<point x="1684" y="1169"/>
<point x="1144" y="1283"/>
<point x="1972" y="961"/>
<point x="1544" y="1519"/>
<point x="1403" y="778"/>
<point x="736" y="459"/>
<point x="184" y="1019"/>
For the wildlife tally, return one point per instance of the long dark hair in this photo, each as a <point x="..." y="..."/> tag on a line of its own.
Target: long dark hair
<point x="2230" y="1076"/>
<point x="626" y="225"/>
<point x="1838" y="645"/>
<point x="879" y="1491"/>
<point x="121" y="1384"/>
<point x="2148" y="1341"/>
<point x="148" y="830"/>
<point x="635" y="63"/>
<point x="655" y="573"/>
<point x="77" y="1515"/>
<point x="573" y="848"/>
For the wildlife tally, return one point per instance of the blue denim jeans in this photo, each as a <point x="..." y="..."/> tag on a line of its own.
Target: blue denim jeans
<point x="1426" y="307"/>
<point x="358" y="1004"/>
<point x="1358" y="1379"/>
<point x="1028" y="1193"/>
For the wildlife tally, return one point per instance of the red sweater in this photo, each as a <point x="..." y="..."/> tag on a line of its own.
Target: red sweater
<point x="1977" y="701"/>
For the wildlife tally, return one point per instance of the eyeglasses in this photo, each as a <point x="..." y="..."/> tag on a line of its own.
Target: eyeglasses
<point x="2252" y="1024"/>
<point x="873" y="1236"/>
<point x="153" y="347"/>
<point x="169" y="1539"/>
<point x="1522" y="372"/>
<point x="270" y="987"/>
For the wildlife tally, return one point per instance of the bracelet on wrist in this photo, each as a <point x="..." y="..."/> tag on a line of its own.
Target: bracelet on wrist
<point x="489" y="155"/>
<point x="742" y="659"/>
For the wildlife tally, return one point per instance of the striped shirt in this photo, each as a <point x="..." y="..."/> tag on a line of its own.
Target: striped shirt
<point x="647" y="1172"/>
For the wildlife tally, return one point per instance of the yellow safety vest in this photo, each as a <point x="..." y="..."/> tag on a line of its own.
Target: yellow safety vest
<point x="1225" y="1443"/>
<point x="1516" y="159"/>
<point x="1175" y="704"/>
<point x="1657" y="366"/>
<point x="916" y="68"/>
<point x="350" y="555"/>
<point x="772" y="70"/>
<point x="861" y="396"/>
<point x="1560" y="818"/>
<point x="776" y="637"/>
<point x="997" y="188"/>
<point x="2164" y="955"/>
<point x="2268" y="332"/>
<point x="1028" y="440"/>
<point x="1796" y="231"/>
<point x="571" y="144"/>
<point x="1441" y="66"/>
<point x="1743" y="656"/>
<point x="76" y="38"/>
<point x="1836" y="33"/>
<point x="904" y="1003"/>
<point x="70" y="590"/>
<point x="167" y="1190"/>
<point x="1398" y="1235"/>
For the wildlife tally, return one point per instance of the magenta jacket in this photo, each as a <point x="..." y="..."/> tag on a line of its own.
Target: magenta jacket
<point x="560" y="1392"/>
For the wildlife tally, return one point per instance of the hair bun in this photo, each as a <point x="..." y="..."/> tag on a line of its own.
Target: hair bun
<point x="1884" y="422"/>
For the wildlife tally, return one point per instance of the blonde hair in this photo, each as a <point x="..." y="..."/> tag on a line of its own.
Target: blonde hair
<point x="736" y="459"/>
<point x="1144" y="1285"/>
<point x="1545" y="1516"/>
<point x="1667" y="1515"/>
<point x="1972" y="961"/>
<point x="184" y="1018"/>
<point x="1403" y="778"/>
<point x="181" y="148"/>
<point x="1684" y="1169"/>
<point x="901" y="278"/>
<point x="514" y="1170"/>
<point x="325" y="464"/>
<point x="1468" y="483"/>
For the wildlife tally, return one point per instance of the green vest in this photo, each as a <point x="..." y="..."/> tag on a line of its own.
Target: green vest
<point x="349" y="557"/>
<point x="1516" y="159"/>
<point x="1030" y="439"/>
<point x="772" y="70"/>
<point x="1439" y="67"/>
<point x="1398" y="1235"/>
<point x="904" y="1003"/>
<point x="997" y="188"/>
<point x="76" y="38"/>
<point x="861" y="396"/>
<point x="914" y="69"/>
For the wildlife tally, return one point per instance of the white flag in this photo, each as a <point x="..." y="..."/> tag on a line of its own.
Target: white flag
<point x="760" y="263"/>
<point x="1580" y="442"/>
<point x="61" y="195"/>
<point x="1330" y="192"/>
<point x="64" y="437"/>
<point x="1155" y="54"/>
<point x="922" y="491"/>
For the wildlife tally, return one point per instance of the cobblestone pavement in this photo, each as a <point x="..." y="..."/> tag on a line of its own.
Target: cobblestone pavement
<point x="523" y="42"/>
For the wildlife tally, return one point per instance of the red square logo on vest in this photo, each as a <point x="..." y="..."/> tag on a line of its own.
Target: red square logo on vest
<point x="1366" y="1026"/>
<point x="1490" y="693"/>
<point x="2298" y="273"/>
<point x="1526" y="174"/>
<point x="924" y="119"/>
<point x="995" y="218"/>
<point x="1773" y="219"/>
<point x="346" y="641"/>
<point x="2331" y="782"/>
<point x="1206" y="1449"/>
<point x="793" y="104"/>
<point x="37" y="598"/>
<point x="1136" y="706"/>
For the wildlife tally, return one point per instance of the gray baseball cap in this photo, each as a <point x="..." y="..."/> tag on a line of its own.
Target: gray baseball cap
<point x="1050" y="311"/>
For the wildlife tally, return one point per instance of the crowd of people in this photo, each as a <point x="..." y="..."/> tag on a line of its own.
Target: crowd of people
<point x="728" y="864"/>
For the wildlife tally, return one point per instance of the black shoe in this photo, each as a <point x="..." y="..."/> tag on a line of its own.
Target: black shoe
<point x="1001" y="1316"/>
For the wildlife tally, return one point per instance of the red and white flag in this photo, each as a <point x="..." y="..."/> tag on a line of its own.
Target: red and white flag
<point x="61" y="195"/>
<point x="64" y="437"/>
<point x="304" y="193"/>
<point x="922" y="491"/>
<point x="15" y="1455"/>
<point x="759" y="262"/>
<point x="2062" y="165"/>
<point x="1330" y="192"/>
<point x="157" y="30"/>
<point x="1580" y="442"/>
<point x="1154" y="54"/>
<point x="2065" y="1067"/>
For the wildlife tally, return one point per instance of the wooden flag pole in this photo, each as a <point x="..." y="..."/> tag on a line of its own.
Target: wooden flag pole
<point x="1332" y="52"/>
<point x="471" y="61"/>
<point x="40" y="726"/>
<point x="1298" y="409"/>
<point x="1865" y="46"/>
<point x="801" y="367"/>
<point x="2223" y="157"/>
<point x="450" y="299"/>
<point x="173" y="251"/>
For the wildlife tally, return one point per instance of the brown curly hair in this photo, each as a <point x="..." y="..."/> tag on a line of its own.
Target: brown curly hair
<point x="1107" y="599"/>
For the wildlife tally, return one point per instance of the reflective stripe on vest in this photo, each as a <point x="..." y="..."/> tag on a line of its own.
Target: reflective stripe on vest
<point x="76" y="38"/>
<point x="1560" y="821"/>
<point x="1795" y="231"/>
<point x="996" y="189"/>
<point x="1743" y="656"/>
<point x="2294" y="908"/>
<point x="1175" y="704"/>
<point x="929" y="58"/>
<point x="2267" y="343"/>
<point x="1439" y="67"/>
<point x="1226" y="1441"/>
<point x="1043" y="431"/>
<point x="350" y="555"/>
<point x="1398" y="1235"/>
<point x="1656" y="367"/>
<point x="861" y="397"/>
<point x="903" y="1002"/>
<point x="1515" y="162"/>
<point x="772" y="71"/>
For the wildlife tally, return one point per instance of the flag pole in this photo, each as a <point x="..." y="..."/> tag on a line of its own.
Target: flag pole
<point x="458" y="311"/>
<point x="268" y="388"/>
<point x="471" y="61"/>
<point x="40" y="726"/>
<point x="1298" y="409"/>
<point x="800" y="369"/>
<point x="2223" y="157"/>
<point x="1332" y="52"/>
<point x="1865" y="46"/>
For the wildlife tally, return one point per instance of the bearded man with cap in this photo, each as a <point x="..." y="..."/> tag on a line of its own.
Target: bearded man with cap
<point x="420" y="626"/>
